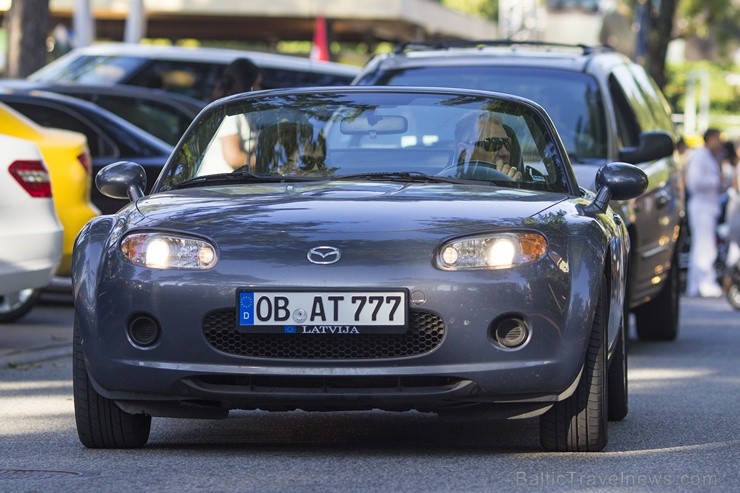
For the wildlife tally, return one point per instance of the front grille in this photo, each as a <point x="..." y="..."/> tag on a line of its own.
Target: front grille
<point x="425" y="333"/>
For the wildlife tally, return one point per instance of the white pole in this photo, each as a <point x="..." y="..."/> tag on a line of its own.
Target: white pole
<point x="83" y="24"/>
<point x="704" y="100"/>
<point x="689" y="112"/>
<point x="135" y="28"/>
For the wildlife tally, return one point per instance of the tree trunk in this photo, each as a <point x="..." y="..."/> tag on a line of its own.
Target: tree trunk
<point x="661" y="33"/>
<point x="27" y="26"/>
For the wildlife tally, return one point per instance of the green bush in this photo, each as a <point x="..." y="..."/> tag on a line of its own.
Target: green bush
<point x="724" y="98"/>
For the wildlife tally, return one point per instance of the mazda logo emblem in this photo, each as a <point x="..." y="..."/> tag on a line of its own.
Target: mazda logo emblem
<point x="324" y="255"/>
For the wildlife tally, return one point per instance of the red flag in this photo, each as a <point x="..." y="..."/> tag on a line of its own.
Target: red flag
<point x="320" y="48"/>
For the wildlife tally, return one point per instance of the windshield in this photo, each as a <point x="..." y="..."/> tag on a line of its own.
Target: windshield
<point x="392" y="135"/>
<point x="575" y="107"/>
<point x="89" y="69"/>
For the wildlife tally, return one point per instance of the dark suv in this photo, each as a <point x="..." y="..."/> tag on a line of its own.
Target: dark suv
<point x="606" y="108"/>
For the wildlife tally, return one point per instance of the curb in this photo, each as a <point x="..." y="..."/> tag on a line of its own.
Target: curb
<point x="37" y="355"/>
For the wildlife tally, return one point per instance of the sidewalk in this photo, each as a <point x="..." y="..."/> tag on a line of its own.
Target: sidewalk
<point x="45" y="333"/>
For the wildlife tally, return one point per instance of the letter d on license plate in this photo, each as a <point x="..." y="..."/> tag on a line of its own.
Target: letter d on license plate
<point x="332" y="312"/>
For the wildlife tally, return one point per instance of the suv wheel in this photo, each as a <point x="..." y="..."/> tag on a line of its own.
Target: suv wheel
<point x="100" y="423"/>
<point x="579" y="423"/>
<point x="657" y="320"/>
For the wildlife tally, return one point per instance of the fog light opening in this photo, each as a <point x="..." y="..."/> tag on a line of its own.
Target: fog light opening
<point x="143" y="330"/>
<point x="510" y="333"/>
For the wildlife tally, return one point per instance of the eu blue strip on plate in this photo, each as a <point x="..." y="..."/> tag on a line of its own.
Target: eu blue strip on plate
<point x="246" y="308"/>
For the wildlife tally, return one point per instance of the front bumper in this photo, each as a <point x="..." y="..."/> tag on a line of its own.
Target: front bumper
<point x="459" y="365"/>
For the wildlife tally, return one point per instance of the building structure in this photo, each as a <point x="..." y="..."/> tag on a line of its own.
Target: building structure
<point x="252" y="21"/>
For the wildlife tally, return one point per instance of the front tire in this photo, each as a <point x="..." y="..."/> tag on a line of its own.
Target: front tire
<point x="14" y="305"/>
<point x="657" y="320"/>
<point x="100" y="423"/>
<point x="579" y="423"/>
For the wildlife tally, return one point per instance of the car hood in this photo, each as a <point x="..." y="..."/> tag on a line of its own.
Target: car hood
<point x="331" y="208"/>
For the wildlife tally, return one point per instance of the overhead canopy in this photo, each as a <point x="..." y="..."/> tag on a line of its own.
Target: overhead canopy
<point x="282" y="20"/>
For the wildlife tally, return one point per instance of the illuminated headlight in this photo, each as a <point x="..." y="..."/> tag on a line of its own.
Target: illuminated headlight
<point x="167" y="251"/>
<point x="494" y="251"/>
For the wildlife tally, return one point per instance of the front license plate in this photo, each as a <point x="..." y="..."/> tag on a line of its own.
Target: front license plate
<point x="322" y="312"/>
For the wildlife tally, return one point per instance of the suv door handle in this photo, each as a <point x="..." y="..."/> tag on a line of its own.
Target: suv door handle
<point x="662" y="199"/>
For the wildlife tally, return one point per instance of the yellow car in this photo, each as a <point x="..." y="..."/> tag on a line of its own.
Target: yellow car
<point x="68" y="159"/>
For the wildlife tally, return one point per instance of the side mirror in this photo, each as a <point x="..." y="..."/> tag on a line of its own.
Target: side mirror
<point x="653" y="145"/>
<point x="618" y="181"/>
<point x="122" y="180"/>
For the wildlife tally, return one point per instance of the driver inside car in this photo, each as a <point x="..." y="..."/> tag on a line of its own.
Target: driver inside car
<point x="482" y="137"/>
<point x="289" y="148"/>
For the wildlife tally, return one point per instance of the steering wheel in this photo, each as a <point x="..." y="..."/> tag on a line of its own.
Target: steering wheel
<point x="475" y="170"/>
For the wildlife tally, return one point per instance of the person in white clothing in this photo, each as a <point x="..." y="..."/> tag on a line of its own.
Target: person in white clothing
<point x="234" y="144"/>
<point x="703" y="183"/>
<point x="232" y="147"/>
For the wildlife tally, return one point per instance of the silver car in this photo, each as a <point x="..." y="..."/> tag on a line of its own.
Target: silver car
<point x="30" y="232"/>
<point x="366" y="254"/>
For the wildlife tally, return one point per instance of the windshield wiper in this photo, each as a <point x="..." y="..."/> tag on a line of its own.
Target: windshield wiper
<point x="404" y="176"/>
<point x="240" y="177"/>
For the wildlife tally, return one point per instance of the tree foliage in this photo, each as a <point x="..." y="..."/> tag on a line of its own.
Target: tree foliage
<point x="482" y="8"/>
<point x="723" y="95"/>
<point x="711" y="19"/>
<point x="715" y="21"/>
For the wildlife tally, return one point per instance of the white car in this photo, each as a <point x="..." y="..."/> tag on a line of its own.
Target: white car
<point x="30" y="232"/>
<point x="184" y="70"/>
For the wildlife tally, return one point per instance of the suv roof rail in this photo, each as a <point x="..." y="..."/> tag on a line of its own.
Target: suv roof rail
<point x="480" y="44"/>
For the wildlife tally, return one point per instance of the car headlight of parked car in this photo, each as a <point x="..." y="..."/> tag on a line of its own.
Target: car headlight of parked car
<point x="158" y="250"/>
<point x="492" y="251"/>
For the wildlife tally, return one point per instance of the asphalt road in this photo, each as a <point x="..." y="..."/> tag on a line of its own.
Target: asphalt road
<point x="682" y="434"/>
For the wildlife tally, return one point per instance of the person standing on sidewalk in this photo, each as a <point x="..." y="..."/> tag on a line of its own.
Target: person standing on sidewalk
<point x="703" y="183"/>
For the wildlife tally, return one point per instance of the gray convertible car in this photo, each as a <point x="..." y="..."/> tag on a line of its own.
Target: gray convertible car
<point x="371" y="247"/>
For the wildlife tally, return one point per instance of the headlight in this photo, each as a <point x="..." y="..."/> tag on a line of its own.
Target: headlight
<point x="167" y="251"/>
<point x="494" y="251"/>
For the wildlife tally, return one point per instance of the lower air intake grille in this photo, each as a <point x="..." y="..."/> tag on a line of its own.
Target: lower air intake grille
<point x="425" y="334"/>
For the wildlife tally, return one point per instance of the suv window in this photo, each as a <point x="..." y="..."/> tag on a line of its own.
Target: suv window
<point x="657" y="102"/>
<point x="576" y="109"/>
<point x="628" y="131"/>
<point x="635" y="98"/>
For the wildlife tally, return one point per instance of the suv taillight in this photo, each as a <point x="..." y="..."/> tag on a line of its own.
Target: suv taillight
<point x="85" y="161"/>
<point x="33" y="177"/>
